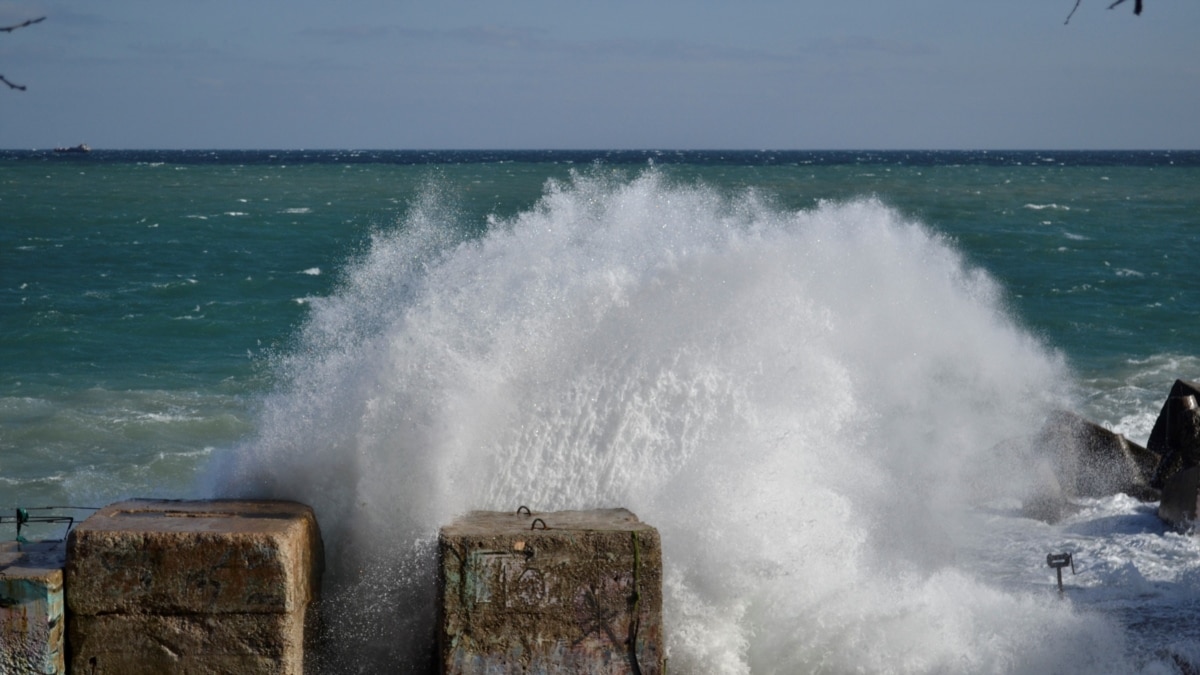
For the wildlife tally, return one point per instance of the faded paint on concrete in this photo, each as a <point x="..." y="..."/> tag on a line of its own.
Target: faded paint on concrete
<point x="31" y="608"/>
<point x="582" y="595"/>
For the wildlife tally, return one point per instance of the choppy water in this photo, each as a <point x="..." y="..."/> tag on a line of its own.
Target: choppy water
<point x="796" y="365"/>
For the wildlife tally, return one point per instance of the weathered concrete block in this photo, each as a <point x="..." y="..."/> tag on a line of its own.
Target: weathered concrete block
<point x="31" y="608"/>
<point x="197" y="644"/>
<point x="1180" y="496"/>
<point x="219" y="586"/>
<point x="583" y="595"/>
<point x="175" y="557"/>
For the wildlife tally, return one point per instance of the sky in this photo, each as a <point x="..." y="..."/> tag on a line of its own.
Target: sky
<point x="605" y="74"/>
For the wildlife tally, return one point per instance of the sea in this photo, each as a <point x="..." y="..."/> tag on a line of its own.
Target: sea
<point x="805" y="369"/>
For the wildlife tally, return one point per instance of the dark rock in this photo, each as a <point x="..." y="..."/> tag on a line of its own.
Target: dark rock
<point x="1176" y="439"/>
<point x="1179" y="422"/>
<point x="1091" y="461"/>
<point x="1071" y="457"/>
<point x="1047" y="502"/>
<point x="1157" y="443"/>
<point x="1179" y="499"/>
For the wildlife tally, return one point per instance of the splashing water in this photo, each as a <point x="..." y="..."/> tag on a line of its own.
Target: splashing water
<point x="805" y="404"/>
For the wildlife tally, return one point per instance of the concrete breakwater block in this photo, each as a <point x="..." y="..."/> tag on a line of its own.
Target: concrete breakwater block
<point x="222" y="586"/>
<point x="569" y="591"/>
<point x="188" y="643"/>
<point x="31" y="608"/>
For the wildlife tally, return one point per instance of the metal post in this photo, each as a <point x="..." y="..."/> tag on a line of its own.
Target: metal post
<point x="1058" y="561"/>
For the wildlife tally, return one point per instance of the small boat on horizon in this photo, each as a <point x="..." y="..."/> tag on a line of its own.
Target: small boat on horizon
<point x="82" y="147"/>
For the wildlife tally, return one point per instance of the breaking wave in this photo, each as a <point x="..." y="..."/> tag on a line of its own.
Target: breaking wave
<point x="804" y="403"/>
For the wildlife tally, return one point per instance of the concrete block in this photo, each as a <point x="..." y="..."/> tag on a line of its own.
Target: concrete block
<point x="176" y="557"/>
<point x="198" y="644"/>
<point x="582" y="595"/>
<point x="202" y="587"/>
<point x="31" y="608"/>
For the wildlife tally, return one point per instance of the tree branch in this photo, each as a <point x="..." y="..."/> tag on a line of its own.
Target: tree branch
<point x="1137" y="6"/>
<point x="9" y="29"/>
<point x="1072" y="12"/>
<point x="30" y="22"/>
<point x="12" y="85"/>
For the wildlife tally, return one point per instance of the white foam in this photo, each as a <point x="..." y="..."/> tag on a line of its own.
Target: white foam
<point x="806" y="404"/>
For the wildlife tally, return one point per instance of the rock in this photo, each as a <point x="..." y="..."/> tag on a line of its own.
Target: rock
<point x="192" y="586"/>
<point x="582" y="595"/>
<point x="31" y="608"/>
<point x="1180" y="495"/>
<point x="1091" y="461"/>
<point x="1046" y="500"/>
<point x="1179" y="422"/>
<point x="1176" y="438"/>
<point x="1158" y="441"/>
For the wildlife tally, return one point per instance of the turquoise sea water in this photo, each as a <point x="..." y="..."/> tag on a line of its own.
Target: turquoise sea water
<point x="398" y="337"/>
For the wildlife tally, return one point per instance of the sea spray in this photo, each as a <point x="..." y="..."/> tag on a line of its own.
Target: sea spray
<point x="807" y="404"/>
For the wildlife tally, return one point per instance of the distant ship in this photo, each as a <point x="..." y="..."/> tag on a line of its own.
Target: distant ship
<point x="82" y="147"/>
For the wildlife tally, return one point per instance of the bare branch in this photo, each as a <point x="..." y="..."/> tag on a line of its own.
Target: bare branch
<point x="1072" y="12"/>
<point x="12" y="85"/>
<point x="1137" y="6"/>
<point x="30" y="22"/>
<point x="9" y="29"/>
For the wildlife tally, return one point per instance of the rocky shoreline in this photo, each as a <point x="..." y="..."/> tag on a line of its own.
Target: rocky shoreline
<point x="1079" y="458"/>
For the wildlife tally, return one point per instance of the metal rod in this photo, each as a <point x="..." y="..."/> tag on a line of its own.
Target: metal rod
<point x="1058" y="561"/>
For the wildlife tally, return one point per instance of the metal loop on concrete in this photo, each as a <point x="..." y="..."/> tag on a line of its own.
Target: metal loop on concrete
<point x="533" y="526"/>
<point x="527" y="511"/>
